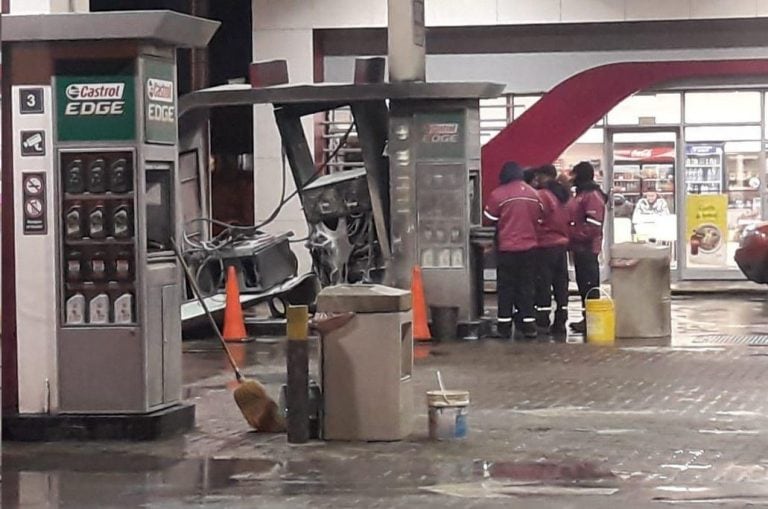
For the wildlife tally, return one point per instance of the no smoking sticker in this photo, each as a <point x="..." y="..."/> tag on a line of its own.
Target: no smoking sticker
<point x="35" y="203"/>
<point x="33" y="185"/>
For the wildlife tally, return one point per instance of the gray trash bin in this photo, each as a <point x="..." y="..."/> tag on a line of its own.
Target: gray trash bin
<point x="367" y="364"/>
<point x="640" y="286"/>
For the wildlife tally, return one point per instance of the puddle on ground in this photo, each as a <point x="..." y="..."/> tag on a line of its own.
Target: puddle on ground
<point x="88" y="479"/>
<point x="545" y="471"/>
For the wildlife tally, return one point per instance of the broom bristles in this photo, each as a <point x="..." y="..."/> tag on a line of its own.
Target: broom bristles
<point x="258" y="408"/>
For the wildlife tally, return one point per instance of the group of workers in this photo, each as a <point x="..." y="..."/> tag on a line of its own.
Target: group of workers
<point x="538" y="220"/>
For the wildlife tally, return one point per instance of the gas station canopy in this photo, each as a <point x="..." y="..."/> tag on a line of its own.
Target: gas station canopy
<point x="340" y="93"/>
<point x="168" y="27"/>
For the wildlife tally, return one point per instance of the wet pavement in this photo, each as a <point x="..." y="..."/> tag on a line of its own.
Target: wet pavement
<point x="680" y="423"/>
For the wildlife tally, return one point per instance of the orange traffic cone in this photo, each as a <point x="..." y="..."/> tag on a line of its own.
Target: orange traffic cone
<point x="419" y="304"/>
<point x="234" y="323"/>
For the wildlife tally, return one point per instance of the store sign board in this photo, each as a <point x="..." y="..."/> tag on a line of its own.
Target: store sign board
<point x="95" y="108"/>
<point x="159" y="102"/>
<point x="706" y="220"/>
<point x="703" y="149"/>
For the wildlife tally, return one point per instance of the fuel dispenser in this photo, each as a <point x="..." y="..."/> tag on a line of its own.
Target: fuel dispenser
<point x="93" y="327"/>
<point x="416" y="201"/>
<point x="434" y="164"/>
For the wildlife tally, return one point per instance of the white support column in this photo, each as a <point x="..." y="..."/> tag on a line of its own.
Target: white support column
<point x="295" y="46"/>
<point x="34" y="210"/>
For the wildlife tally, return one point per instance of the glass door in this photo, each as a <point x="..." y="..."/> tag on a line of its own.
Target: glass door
<point x="641" y="178"/>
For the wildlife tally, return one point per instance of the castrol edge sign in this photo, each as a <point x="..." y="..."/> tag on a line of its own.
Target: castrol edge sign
<point x="108" y="94"/>
<point x="95" y="108"/>
<point x="159" y="101"/>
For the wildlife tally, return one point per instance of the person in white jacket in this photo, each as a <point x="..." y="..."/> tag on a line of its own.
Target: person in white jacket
<point x="650" y="205"/>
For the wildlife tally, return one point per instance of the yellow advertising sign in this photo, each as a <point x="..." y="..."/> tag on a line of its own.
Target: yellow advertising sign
<point x="706" y="221"/>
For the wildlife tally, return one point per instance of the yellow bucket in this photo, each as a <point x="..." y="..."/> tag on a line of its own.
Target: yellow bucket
<point x="601" y="319"/>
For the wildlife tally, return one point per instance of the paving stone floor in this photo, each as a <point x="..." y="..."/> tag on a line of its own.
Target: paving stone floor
<point x="646" y="423"/>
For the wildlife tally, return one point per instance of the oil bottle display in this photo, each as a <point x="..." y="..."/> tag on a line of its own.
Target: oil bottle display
<point x="98" y="244"/>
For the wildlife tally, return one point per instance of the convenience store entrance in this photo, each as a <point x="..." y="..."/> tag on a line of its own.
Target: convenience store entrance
<point x="696" y="197"/>
<point x="641" y="177"/>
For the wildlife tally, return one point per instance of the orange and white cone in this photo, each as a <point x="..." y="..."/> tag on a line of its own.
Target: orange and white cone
<point x="234" y="323"/>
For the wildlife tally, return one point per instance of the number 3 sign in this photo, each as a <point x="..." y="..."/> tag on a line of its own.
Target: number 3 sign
<point x="31" y="101"/>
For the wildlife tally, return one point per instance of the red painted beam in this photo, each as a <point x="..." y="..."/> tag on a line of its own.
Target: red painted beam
<point x="557" y="120"/>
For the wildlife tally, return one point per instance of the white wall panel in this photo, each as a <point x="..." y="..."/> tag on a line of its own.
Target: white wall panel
<point x="723" y="8"/>
<point x="355" y="13"/>
<point x="657" y="9"/>
<point x="48" y="6"/>
<point x="592" y="10"/>
<point x="532" y="73"/>
<point x="515" y="12"/>
<point x="762" y="7"/>
<point x="30" y="6"/>
<point x="460" y="12"/>
<point x="292" y="45"/>
<point x="271" y="14"/>
<point x="296" y="47"/>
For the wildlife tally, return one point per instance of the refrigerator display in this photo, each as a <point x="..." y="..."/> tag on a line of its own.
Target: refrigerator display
<point x="704" y="169"/>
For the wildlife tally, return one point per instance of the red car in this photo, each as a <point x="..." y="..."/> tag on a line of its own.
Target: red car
<point x="752" y="255"/>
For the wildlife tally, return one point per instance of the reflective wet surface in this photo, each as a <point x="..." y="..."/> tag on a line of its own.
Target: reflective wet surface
<point x="646" y="423"/>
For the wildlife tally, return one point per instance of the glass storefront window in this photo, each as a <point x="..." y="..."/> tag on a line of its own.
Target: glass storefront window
<point x="722" y="107"/>
<point x="520" y="103"/>
<point x="494" y="116"/>
<point x="647" y="109"/>
<point x="742" y="174"/>
<point x="722" y="133"/>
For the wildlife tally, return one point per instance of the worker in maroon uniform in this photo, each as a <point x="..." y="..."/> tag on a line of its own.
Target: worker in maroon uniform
<point x="587" y="213"/>
<point x="516" y="209"/>
<point x="552" y="254"/>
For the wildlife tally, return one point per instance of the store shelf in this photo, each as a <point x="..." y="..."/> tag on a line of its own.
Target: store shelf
<point x="743" y="189"/>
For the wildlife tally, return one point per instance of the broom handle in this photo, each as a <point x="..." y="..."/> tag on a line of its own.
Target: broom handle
<point x="201" y="300"/>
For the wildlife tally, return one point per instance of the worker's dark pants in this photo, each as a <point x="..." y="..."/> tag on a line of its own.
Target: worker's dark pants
<point x="515" y="280"/>
<point x="587" y="273"/>
<point x="551" y="281"/>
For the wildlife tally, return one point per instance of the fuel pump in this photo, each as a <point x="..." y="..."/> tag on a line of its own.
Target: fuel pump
<point x="434" y="168"/>
<point x="94" y="325"/>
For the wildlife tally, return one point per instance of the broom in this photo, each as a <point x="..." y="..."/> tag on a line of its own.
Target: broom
<point x="257" y="407"/>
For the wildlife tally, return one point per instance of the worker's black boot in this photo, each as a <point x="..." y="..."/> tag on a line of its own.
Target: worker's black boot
<point x="542" y="320"/>
<point x="504" y="329"/>
<point x="558" y="329"/>
<point x="528" y="329"/>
